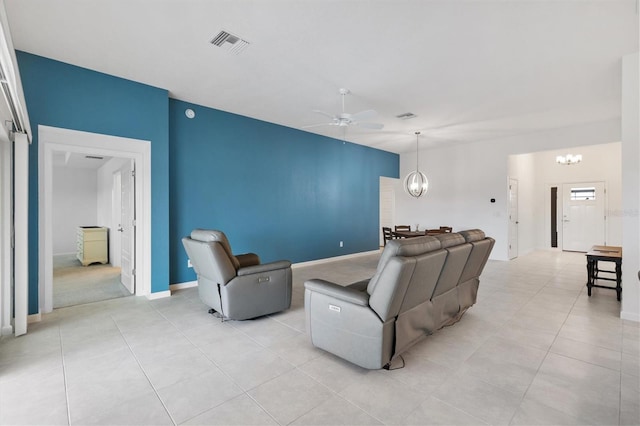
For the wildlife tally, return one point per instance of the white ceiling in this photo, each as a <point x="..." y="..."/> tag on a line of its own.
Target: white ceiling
<point x="470" y="70"/>
<point x="76" y="160"/>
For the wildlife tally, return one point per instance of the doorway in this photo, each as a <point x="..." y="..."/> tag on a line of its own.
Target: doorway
<point x="583" y="215"/>
<point x="513" y="218"/>
<point x="55" y="139"/>
<point x="86" y="259"/>
<point x="387" y="205"/>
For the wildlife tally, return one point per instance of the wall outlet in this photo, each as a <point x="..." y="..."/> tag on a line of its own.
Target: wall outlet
<point x="189" y="264"/>
<point x="341" y="244"/>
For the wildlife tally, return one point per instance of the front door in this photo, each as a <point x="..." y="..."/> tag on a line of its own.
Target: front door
<point x="583" y="215"/>
<point x="127" y="226"/>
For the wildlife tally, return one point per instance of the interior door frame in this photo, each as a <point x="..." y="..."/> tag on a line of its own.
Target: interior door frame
<point x="51" y="139"/>
<point x="510" y="250"/>
<point x="6" y="237"/>
<point x="386" y="183"/>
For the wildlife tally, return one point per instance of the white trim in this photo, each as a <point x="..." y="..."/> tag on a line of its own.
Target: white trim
<point x="6" y="249"/>
<point x="180" y="286"/>
<point x="333" y="259"/>
<point x="630" y="316"/>
<point x="34" y="318"/>
<point x="159" y="295"/>
<point x="52" y="139"/>
<point x="21" y="233"/>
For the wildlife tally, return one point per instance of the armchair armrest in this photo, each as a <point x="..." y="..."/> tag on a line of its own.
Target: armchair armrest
<point x="265" y="267"/>
<point x="339" y="292"/>
<point x="247" y="259"/>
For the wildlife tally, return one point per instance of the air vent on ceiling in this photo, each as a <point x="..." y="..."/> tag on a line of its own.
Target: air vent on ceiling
<point x="94" y="157"/>
<point x="230" y="42"/>
<point x="406" y="116"/>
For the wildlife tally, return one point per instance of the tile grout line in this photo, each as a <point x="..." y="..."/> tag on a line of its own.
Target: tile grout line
<point x="64" y="377"/>
<point x="155" y="391"/>
<point x="548" y="349"/>
<point x="245" y="392"/>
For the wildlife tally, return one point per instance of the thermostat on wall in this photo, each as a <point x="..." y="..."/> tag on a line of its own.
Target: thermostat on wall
<point x="189" y="113"/>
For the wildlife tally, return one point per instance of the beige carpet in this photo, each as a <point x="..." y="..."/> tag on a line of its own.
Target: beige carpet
<point x="74" y="284"/>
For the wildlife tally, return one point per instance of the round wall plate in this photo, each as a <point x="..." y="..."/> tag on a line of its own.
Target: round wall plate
<point x="189" y="113"/>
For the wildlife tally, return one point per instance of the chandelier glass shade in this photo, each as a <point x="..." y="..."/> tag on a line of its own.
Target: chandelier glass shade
<point x="416" y="183"/>
<point x="568" y="160"/>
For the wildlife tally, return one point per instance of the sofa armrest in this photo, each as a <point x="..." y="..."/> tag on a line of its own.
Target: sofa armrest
<point x="247" y="259"/>
<point x="265" y="267"/>
<point x="339" y="292"/>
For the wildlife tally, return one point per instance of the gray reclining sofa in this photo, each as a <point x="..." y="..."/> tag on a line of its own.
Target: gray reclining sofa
<point x="421" y="285"/>
<point x="238" y="287"/>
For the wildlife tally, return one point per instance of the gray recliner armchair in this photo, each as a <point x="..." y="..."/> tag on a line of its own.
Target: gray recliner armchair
<point x="238" y="287"/>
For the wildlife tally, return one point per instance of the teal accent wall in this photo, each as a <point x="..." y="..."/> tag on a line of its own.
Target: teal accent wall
<point x="276" y="191"/>
<point x="66" y="96"/>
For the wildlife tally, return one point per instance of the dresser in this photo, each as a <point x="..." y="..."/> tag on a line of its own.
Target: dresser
<point x="91" y="245"/>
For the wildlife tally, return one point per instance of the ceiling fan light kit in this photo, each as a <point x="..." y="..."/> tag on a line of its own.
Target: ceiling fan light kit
<point x="416" y="183"/>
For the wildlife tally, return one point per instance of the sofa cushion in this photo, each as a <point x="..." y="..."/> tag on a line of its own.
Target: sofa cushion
<point x="450" y="239"/>
<point x="471" y="235"/>
<point x="209" y="235"/>
<point x="407" y="247"/>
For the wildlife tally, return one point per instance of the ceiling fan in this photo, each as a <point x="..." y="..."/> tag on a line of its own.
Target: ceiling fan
<point x="344" y="119"/>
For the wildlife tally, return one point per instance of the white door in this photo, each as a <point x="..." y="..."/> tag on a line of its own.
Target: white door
<point x="127" y="226"/>
<point x="513" y="218"/>
<point x="583" y="215"/>
<point x="387" y="204"/>
<point x="115" y="246"/>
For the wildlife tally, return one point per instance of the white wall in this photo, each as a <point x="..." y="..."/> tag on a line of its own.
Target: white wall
<point x="463" y="178"/>
<point x="537" y="172"/>
<point x="74" y="203"/>
<point x="630" y="188"/>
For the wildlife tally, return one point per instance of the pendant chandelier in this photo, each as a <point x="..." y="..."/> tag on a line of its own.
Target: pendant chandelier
<point x="416" y="183"/>
<point x="568" y="160"/>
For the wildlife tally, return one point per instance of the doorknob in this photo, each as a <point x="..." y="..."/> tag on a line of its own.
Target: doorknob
<point x="120" y="228"/>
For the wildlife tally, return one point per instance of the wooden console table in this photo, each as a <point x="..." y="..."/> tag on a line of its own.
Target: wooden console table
<point x="604" y="254"/>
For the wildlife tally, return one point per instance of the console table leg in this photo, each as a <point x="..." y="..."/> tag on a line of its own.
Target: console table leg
<point x="619" y="280"/>
<point x="590" y="268"/>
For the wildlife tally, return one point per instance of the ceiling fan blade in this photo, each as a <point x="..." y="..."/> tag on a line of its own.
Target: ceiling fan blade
<point x="318" y="125"/>
<point x="326" y="114"/>
<point x="376" y="126"/>
<point x="364" y="115"/>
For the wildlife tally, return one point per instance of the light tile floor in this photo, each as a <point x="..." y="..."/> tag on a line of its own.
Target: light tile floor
<point x="533" y="350"/>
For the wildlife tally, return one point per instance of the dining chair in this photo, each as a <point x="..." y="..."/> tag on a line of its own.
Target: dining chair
<point x="402" y="228"/>
<point x="387" y="234"/>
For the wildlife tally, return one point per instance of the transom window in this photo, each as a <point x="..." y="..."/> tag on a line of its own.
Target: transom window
<point x="583" y="194"/>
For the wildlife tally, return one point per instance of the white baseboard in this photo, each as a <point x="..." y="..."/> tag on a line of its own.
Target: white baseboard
<point x="34" y="318"/>
<point x="180" y="286"/>
<point x="630" y="316"/>
<point x="159" y="295"/>
<point x="333" y="259"/>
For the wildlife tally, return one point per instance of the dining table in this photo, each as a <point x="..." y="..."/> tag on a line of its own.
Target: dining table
<point x="409" y="234"/>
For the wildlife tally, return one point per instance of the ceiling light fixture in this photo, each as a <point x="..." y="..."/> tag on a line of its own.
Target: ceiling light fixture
<point x="416" y="183"/>
<point x="568" y="160"/>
